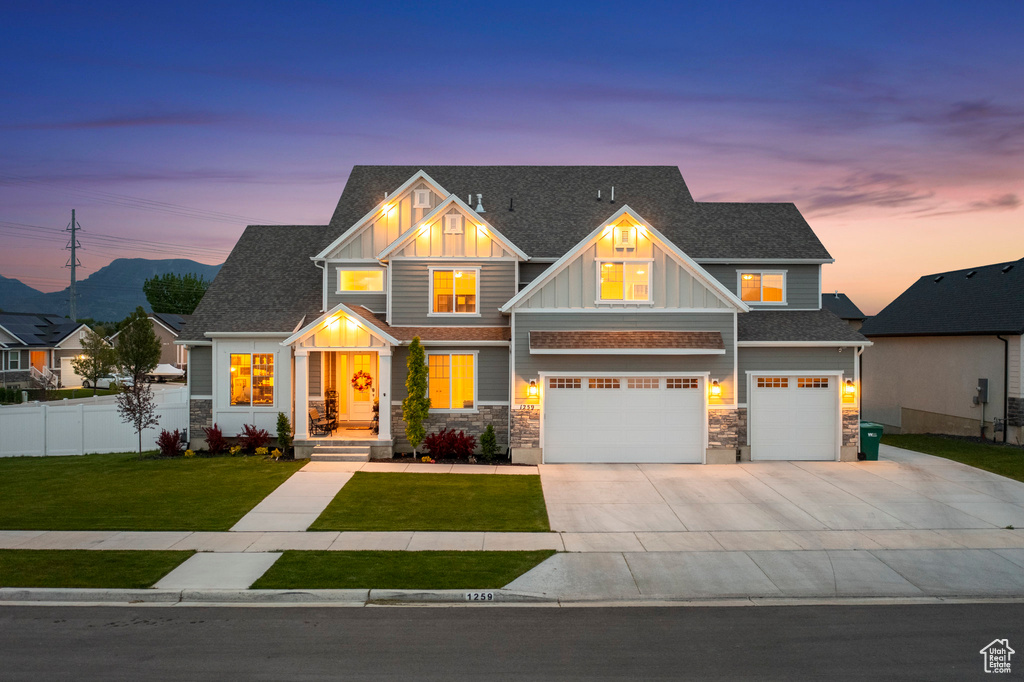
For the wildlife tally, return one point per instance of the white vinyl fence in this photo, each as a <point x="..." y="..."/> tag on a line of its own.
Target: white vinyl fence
<point x="38" y="429"/>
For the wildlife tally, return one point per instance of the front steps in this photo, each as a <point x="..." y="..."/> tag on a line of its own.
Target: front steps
<point x="340" y="453"/>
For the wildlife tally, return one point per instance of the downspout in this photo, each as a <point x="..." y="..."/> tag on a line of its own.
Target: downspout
<point x="1006" y="386"/>
<point x="323" y="295"/>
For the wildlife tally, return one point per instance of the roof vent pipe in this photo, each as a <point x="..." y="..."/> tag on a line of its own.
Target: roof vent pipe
<point x="599" y="195"/>
<point x="480" y="204"/>
<point x="613" y="194"/>
<point x="510" y="204"/>
<point x="972" y="273"/>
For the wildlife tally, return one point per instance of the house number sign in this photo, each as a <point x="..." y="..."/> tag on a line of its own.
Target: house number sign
<point x="479" y="596"/>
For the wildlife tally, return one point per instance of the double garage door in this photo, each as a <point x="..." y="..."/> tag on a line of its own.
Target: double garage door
<point x="794" y="417"/>
<point x="624" y="419"/>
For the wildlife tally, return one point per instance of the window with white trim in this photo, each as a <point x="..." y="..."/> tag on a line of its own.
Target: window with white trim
<point x="762" y="287"/>
<point x="564" y="382"/>
<point x="421" y="198"/>
<point x="252" y="379"/>
<point x="454" y="292"/>
<point x="643" y="382"/>
<point x="773" y="382"/>
<point x="602" y="383"/>
<point x="624" y="280"/>
<point x="358" y="280"/>
<point x="681" y="382"/>
<point x="812" y="382"/>
<point x="452" y="381"/>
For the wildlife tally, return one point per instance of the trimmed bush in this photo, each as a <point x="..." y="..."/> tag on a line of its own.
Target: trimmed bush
<point x="488" y="444"/>
<point x="450" y="444"/>
<point x="216" y="443"/>
<point x="169" y="443"/>
<point x="253" y="438"/>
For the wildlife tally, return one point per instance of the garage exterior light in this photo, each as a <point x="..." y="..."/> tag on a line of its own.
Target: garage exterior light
<point x="532" y="390"/>
<point x="716" y="390"/>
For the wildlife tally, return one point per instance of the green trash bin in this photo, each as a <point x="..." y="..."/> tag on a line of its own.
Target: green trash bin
<point x="870" y="439"/>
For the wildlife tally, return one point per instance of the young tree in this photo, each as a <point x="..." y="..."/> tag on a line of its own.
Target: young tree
<point x="136" y="406"/>
<point x="138" y="348"/>
<point x="97" y="359"/>
<point x="416" y="406"/>
<point x="177" y="294"/>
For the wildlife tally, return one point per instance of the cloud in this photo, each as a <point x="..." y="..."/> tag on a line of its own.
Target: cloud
<point x="880" y="190"/>
<point x="1001" y="202"/>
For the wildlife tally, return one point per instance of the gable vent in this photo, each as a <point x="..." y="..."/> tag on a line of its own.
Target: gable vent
<point x="972" y="273"/>
<point x="938" y="279"/>
<point x="1007" y="269"/>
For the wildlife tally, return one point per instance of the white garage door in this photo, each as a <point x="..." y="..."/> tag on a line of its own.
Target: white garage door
<point x="794" y="417"/>
<point x="624" y="419"/>
<point x="68" y="378"/>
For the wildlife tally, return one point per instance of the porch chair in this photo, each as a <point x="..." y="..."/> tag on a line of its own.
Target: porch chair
<point x="318" y="424"/>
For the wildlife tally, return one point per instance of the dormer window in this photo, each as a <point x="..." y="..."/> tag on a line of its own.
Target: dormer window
<point x="421" y="198"/>
<point x="762" y="287"/>
<point x="624" y="280"/>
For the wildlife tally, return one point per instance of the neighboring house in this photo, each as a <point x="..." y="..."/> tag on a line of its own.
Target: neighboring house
<point x="167" y="328"/>
<point x="37" y="349"/>
<point x="591" y="314"/>
<point x="934" y="344"/>
<point x="842" y="307"/>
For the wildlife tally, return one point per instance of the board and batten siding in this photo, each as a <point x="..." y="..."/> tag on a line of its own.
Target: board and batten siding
<point x="381" y="232"/>
<point x="802" y="282"/>
<point x="474" y="241"/>
<point x="200" y="370"/>
<point x="576" y="287"/>
<point x="529" y="366"/>
<point x="783" y="359"/>
<point x="377" y="302"/>
<point x="491" y="369"/>
<point x="410" y="290"/>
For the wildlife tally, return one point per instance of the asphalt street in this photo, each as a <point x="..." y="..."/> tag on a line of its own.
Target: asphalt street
<point x="923" y="642"/>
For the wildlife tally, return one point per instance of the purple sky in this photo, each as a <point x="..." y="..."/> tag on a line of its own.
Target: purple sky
<point x="897" y="128"/>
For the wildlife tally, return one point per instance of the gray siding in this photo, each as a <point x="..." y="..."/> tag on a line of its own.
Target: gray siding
<point x="375" y="302"/>
<point x="529" y="366"/>
<point x="801" y="281"/>
<point x="410" y="289"/>
<point x="531" y="271"/>
<point x="200" y="370"/>
<point x="314" y="373"/>
<point x="792" y="359"/>
<point x="492" y="371"/>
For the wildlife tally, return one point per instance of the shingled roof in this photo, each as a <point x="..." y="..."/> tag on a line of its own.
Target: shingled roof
<point x="982" y="300"/>
<point x="554" y="207"/>
<point x="433" y="333"/>
<point x="842" y="306"/>
<point x="794" y="325"/>
<point x="38" y="330"/>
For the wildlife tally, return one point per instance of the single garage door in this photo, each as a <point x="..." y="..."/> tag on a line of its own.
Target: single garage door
<point x="68" y="378"/>
<point x="624" y="419"/>
<point x="793" y="417"/>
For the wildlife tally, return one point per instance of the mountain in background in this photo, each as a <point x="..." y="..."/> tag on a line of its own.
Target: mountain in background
<point x="107" y="295"/>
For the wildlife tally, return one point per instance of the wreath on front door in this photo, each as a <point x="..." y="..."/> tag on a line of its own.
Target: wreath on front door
<point x="362" y="381"/>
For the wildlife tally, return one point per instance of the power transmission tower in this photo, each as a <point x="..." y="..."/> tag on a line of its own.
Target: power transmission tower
<point x="72" y="263"/>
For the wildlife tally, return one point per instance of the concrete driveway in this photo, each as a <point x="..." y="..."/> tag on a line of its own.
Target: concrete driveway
<point x="903" y="491"/>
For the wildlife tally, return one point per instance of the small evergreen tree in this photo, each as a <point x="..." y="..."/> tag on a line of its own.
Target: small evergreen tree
<point x="488" y="444"/>
<point x="97" y="359"/>
<point x="416" y="406"/>
<point x="284" y="432"/>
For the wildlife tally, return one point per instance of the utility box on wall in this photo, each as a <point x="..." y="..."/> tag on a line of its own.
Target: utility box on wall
<point x="982" y="396"/>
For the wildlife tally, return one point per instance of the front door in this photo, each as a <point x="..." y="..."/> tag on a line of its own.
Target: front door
<point x="362" y="385"/>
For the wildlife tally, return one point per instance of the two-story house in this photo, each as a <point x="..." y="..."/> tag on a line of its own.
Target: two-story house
<point x="590" y="314"/>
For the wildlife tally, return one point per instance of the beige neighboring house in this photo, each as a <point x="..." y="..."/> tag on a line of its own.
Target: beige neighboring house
<point x="167" y="327"/>
<point x="842" y="307"/>
<point x="947" y="355"/>
<point x="37" y="349"/>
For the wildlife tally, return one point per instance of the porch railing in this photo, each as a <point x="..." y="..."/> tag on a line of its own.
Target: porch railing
<point x="46" y="377"/>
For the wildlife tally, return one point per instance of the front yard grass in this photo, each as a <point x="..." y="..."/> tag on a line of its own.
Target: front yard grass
<point x="398" y="570"/>
<point x="62" y="393"/>
<point x="122" y="492"/>
<point x="86" y="568"/>
<point x="441" y="502"/>
<point x="999" y="459"/>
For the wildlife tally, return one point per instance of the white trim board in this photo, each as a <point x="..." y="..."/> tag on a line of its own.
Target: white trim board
<point x="802" y="344"/>
<point x="357" y="319"/>
<point x="627" y="351"/>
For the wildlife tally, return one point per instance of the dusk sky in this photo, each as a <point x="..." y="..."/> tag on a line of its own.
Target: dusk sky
<point x="897" y="128"/>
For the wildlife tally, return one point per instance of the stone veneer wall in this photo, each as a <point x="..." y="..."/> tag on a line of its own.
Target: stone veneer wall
<point x="1015" y="411"/>
<point x="851" y="426"/>
<point x="724" y="427"/>
<point x="200" y="414"/>
<point x="473" y="423"/>
<point x="526" y="428"/>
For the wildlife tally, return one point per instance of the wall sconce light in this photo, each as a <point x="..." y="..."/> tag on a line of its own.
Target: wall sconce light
<point x="716" y="390"/>
<point x="849" y="388"/>
<point x="532" y="390"/>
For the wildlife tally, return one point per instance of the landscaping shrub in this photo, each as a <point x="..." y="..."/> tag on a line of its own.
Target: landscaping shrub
<point x="253" y="438"/>
<point x="169" y="443"/>
<point x="10" y="395"/>
<point x="216" y="443"/>
<point x="488" y="444"/>
<point x="284" y="432"/>
<point x="450" y="444"/>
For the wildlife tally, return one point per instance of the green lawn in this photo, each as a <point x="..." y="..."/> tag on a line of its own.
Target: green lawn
<point x="62" y="393"/>
<point x="398" y="570"/>
<point x="85" y="568"/>
<point x="122" y="492"/>
<point x="999" y="459"/>
<point x="453" y="502"/>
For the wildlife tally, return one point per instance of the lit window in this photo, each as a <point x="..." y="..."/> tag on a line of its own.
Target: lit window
<point x="643" y="382"/>
<point x="454" y="291"/>
<point x="772" y="382"/>
<point x="812" y="382"/>
<point x="452" y="382"/>
<point x="680" y="382"/>
<point x="764" y="287"/>
<point x="360" y="280"/>
<point x="564" y="383"/>
<point x="625" y="281"/>
<point x="602" y="383"/>
<point x="252" y="378"/>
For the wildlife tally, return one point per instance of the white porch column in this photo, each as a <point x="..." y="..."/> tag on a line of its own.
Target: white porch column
<point x="301" y="394"/>
<point x="384" y="394"/>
